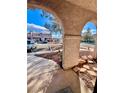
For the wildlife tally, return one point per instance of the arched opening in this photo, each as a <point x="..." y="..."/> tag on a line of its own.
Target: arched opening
<point x="87" y="55"/>
<point x="44" y="64"/>
<point x="88" y="40"/>
<point x="46" y="31"/>
<point x="71" y="16"/>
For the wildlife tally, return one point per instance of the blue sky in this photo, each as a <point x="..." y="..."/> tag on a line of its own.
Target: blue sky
<point x="91" y="26"/>
<point x="34" y="17"/>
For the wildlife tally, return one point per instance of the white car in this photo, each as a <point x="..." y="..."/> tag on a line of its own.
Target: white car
<point x="31" y="45"/>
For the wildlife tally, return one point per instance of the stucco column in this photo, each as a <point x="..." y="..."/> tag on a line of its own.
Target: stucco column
<point x="71" y="51"/>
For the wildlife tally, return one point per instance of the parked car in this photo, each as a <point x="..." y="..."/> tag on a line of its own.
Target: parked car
<point x="31" y="45"/>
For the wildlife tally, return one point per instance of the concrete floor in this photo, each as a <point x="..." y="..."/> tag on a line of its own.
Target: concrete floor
<point x="45" y="76"/>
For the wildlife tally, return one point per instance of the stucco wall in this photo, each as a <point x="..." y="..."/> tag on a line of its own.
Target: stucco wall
<point x="72" y="15"/>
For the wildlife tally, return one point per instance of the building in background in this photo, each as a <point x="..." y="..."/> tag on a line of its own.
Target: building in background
<point x="39" y="34"/>
<point x="39" y="37"/>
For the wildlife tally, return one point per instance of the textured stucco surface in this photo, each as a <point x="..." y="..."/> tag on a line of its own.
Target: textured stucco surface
<point x="70" y="51"/>
<point x="72" y="15"/>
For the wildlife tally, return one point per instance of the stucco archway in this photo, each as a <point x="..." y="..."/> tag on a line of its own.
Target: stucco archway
<point x="73" y="15"/>
<point x="88" y="42"/>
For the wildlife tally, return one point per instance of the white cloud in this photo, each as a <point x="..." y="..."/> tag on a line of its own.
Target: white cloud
<point x="37" y="28"/>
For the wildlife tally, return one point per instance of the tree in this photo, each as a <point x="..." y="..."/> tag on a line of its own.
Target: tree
<point x="56" y="27"/>
<point x="53" y="26"/>
<point x="88" y="37"/>
<point x="47" y="15"/>
<point x="46" y="25"/>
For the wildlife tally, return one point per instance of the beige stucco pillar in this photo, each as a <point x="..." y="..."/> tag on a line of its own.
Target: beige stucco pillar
<point x="71" y="51"/>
